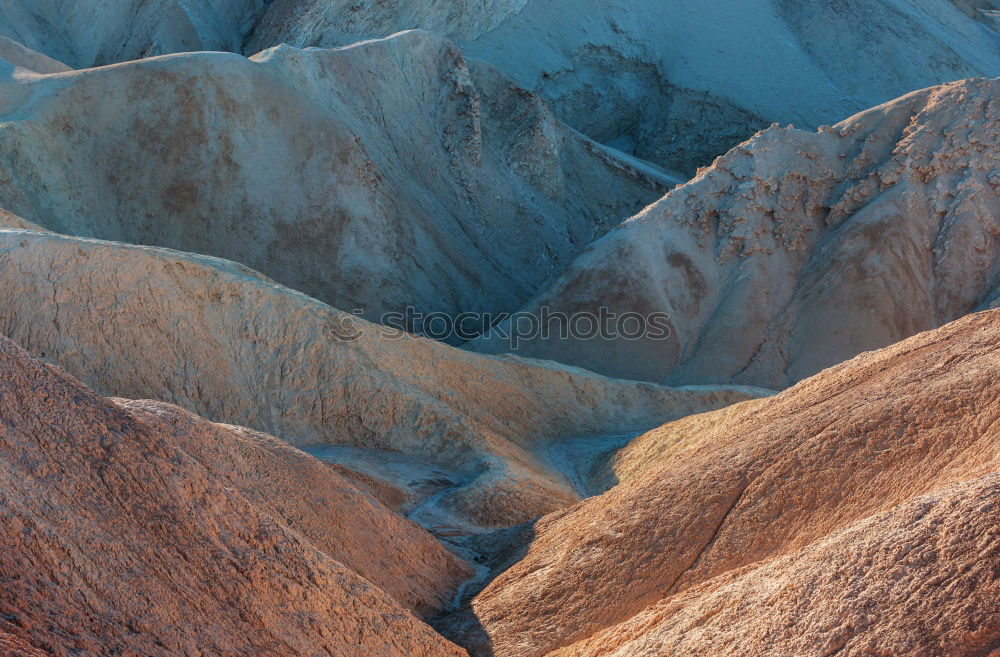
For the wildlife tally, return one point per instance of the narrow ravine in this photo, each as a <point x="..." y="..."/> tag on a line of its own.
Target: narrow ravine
<point x="579" y="460"/>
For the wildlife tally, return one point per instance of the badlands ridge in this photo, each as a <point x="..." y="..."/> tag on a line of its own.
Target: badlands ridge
<point x="797" y="250"/>
<point x="211" y="443"/>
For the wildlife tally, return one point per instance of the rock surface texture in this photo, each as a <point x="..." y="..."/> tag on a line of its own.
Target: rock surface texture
<point x="671" y="81"/>
<point x="10" y="221"/>
<point x="140" y="529"/>
<point x="84" y="33"/>
<point x="382" y="176"/>
<point x="14" y="54"/>
<point x="856" y="513"/>
<point x="257" y="395"/>
<point x="679" y="82"/>
<point x="221" y="340"/>
<point x="797" y="250"/>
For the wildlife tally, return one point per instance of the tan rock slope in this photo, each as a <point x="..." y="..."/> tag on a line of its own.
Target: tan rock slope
<point x="10" y="221"/>
<point x="221" y="340"/>
<point x="857" y="513"/>
<point x="377" y="177"/>
<point x="141" y="529"/>
<point x="679" y="82"/>
<point x="322" y="506"/>
<point x="797" y="250"/>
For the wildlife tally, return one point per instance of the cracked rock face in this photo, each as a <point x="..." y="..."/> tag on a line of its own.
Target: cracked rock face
<point x="797" y="250"/>
<point x="855" y="513"/>
<point x="222" y="341"/>
<point x="137" y="528"/>
<point x="432" y="184"/>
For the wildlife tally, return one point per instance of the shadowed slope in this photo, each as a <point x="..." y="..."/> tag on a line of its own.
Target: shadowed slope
<point x="30" y="61"/>
<point x="86" y="33"/>
<point x="673" y="81"/>
<point x="670" y="81"/>
<point x="387" y="175"/>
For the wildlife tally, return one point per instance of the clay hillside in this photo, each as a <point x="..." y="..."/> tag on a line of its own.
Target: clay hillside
<point x="797" y="250"/>
<point x="499" y="328"/>
<point x="855" y="513"/>
<point x="366" y="191"/>
<point x="139" y="528"/>
<point x="227" y="343"/>
<point x="670" y="81"/>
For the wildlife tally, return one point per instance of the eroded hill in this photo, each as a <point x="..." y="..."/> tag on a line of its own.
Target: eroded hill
<point x="797" y="250"/>
<point x="855" y="513"/>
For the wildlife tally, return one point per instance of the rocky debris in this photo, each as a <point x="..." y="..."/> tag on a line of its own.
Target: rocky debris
<point x="855" y="513"/>
<point x="141" y="529"/>
<point x="797" y="250"/>
<point x="380" y="177"/>
<point x="678" y="82"/>
<point x="222" y="341"/>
